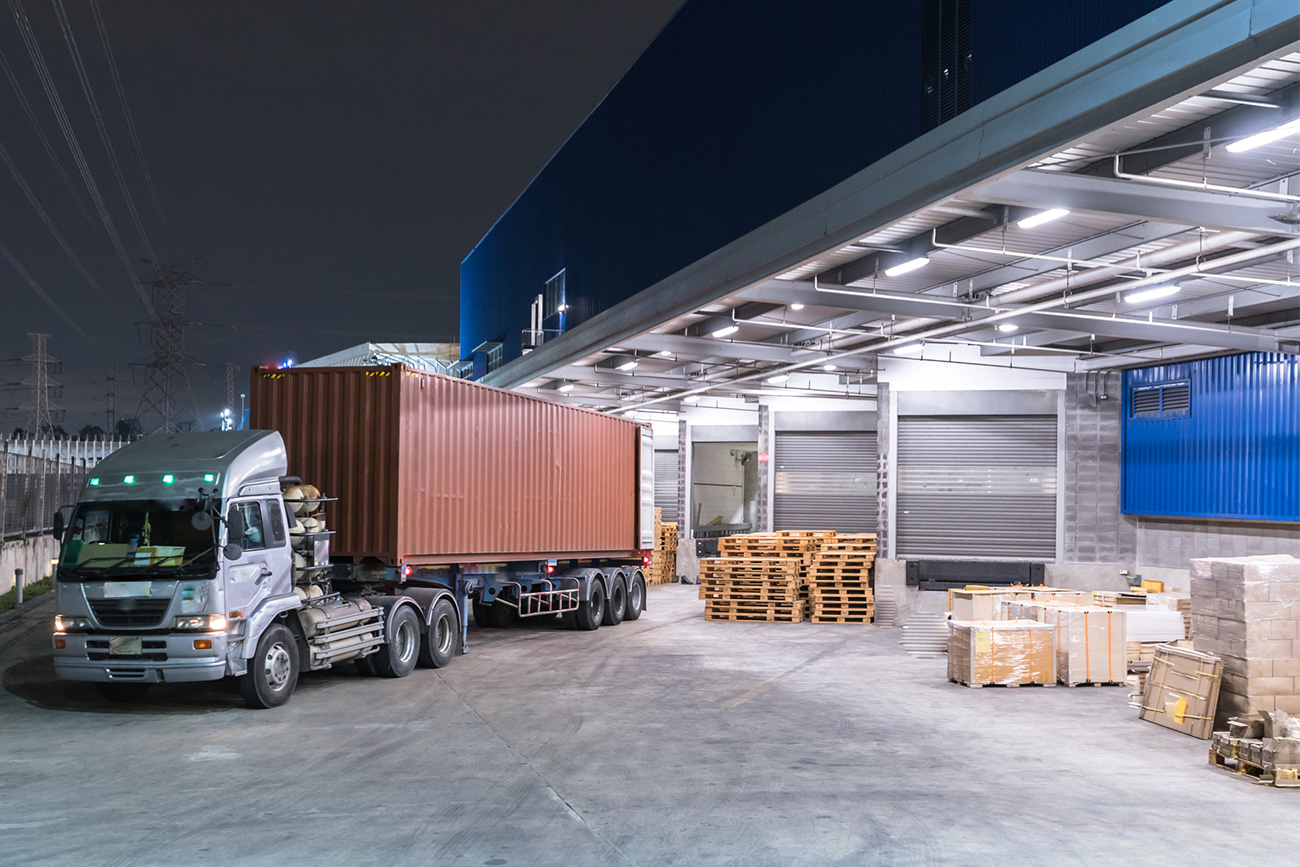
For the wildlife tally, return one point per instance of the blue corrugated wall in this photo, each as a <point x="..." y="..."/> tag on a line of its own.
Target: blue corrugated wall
<point x="1234" y="454"/>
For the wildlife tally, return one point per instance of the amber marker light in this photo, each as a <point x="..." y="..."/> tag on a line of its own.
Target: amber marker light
<point x="203" y="644"/>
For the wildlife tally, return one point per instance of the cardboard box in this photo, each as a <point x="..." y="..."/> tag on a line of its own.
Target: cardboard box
<point x="1090" y="645"/>
<point x="1182" y="691"/>
<point x="1003" y="652"/>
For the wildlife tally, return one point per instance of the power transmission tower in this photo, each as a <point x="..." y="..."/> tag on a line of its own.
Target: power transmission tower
<point x="227" y="413"/>
<point x="110" y="397"/>
<point x="167" y="404"/>
<point x="43" y="413"/>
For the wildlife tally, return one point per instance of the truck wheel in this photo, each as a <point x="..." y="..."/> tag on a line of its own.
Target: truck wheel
<point x="122" y="692"/>
<point x="635" y="598"/>
<point x="397" y="658"/>
<point x="617" y="602"/>
<point x="482" y="613"/>
<point x="273" y="670"/>
<point x="590" y="613"/>
<point x="443" y="638"/>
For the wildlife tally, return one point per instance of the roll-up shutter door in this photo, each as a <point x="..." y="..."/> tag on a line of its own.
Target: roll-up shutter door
<point x="825" y="481"/>
<point x="666" y="484"/>
<point x="976" y="486"/>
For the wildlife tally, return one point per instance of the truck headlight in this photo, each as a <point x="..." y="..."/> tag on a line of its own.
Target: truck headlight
<point x="66" y="623"/>
<point x="200" y="623"/>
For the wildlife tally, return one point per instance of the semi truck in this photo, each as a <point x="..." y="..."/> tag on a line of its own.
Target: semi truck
<point x="368" y="514"/>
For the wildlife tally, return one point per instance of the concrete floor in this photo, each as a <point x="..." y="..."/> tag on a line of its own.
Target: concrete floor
<point x="670" y="740"/>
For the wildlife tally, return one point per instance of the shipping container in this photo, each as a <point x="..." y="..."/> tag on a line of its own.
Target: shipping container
<point x="429" y="469"/>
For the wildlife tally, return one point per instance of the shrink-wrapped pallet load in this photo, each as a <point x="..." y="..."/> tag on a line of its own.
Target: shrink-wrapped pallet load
<point x="1001" y="652"/>
<point x="1090" y="646"/>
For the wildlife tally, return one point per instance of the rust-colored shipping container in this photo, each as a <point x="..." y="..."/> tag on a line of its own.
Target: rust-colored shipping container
<point x="430" y="469"/>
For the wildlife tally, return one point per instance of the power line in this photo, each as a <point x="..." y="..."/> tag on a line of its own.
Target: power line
<point x="43" y="295"/>
<point x="98" y="117"/>
<point x="70" y="136"/>
<point x="40" y="134"/>
<point x="126" y="112"/>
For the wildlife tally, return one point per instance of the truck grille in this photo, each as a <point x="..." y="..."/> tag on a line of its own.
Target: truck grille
<point x="135" y="613"/>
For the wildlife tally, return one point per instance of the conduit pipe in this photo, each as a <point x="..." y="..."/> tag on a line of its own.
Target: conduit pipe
<point x="1193" y="185"/>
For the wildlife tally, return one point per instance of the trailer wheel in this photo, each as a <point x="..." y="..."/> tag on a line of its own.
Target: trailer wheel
<point x="635" y="598"/>
<point x="122" y="692"/>
<point x="617" y="602"/>
<point x="590" y="613"/>
<point x="273" y="670"/>
<point x="398" y="656"/>
<point x="443" y="638"/>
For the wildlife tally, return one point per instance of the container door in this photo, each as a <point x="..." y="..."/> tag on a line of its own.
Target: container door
<point x="646" y="490"/>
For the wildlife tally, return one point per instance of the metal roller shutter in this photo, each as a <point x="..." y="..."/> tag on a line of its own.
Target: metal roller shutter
<point x="825" y="481"/>
<point x="666" y="484"/>
<point x="976" y="486"/>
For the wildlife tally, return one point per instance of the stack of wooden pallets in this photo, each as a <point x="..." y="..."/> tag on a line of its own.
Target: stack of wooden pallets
<point x="663" y="560"/>
<point x="752" y="588"/>
<point x="799" y="547"/>
<point x="839" y="580"/>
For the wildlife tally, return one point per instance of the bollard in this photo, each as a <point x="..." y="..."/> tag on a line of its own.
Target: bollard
<point x="18" y="582"/>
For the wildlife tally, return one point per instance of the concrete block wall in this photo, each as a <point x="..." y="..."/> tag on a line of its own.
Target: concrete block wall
<point x="32" y="555"/>
<point x="1095" y="531"/>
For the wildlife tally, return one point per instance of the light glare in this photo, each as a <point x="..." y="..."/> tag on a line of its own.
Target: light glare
<point x="1042" y="217"/>
<point x="1152" y="294"/>
<point x="911" y="265"/>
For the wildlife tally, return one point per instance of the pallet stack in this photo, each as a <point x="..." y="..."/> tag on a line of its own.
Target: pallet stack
<point x="839" y="580"/>
<point x="752" y="588"/>
<point x="798" y="547"/>
<point x="663" y="560"/>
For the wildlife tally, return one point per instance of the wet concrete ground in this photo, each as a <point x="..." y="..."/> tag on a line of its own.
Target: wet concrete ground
<point x="670" y="740"/>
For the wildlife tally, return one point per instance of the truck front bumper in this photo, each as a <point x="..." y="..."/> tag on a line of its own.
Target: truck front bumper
<point x="162" y="659"/>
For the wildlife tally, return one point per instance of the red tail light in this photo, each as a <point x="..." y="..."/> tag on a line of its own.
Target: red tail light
<point x="550" y="569"/>
<point x="645" y="558"/>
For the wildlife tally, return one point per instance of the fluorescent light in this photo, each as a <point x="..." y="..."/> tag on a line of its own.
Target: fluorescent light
<point x="910" y="265"/>
<point x="1151" y="294"/>
<point x="561" y="308"/>
<point x="829" y="367"/>
<point x="1042" y="217"/>
<point x="796" y="306"/>
<point x="1263" y="138"/>
<point x="690" y="398"/>
<point x="778" y="379"/>
<point x="665" y="353"/>
<point x="1008" y="327"/>
<point x="568" y="386"/>
<point x="910" y="349"/>
<point x="726" y="331"/>
<point x="628" y="365"/>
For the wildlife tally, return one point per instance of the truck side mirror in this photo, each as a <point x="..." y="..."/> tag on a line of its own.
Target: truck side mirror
<point x="201" y="521"/>
<point x="59" y="526"/>
<point x="232" y="551"/>
<point x="234" y="525"/>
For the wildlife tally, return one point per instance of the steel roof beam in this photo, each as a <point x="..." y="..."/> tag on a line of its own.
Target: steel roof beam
<point x="704" y="347"/>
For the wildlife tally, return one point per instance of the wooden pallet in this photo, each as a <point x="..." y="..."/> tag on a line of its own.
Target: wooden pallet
<point x="1003" y="685"/>
<point x="1093" y="683"/>
<point x="844" y="618"/>
<point x="793" y="617"/>
<point x="1283" y="778"/>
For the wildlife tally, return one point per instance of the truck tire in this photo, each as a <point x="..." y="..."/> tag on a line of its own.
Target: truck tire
<point x="273" y="670"/>
<point x="617" y="602"/>
<point x="635" y="598"/>
<point x="398" y="656"/>
<point x="119" y="693"/>
<point x="590" y="613"/>
<point x="443" y="638"/>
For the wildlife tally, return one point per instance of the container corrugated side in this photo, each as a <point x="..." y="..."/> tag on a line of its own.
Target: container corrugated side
<point x="488" y="473"/>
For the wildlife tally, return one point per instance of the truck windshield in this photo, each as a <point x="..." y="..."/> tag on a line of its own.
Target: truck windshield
<point x="132" y="536"/>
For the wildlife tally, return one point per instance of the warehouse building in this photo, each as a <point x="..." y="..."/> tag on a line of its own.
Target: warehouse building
<point x="1014" y="283"/>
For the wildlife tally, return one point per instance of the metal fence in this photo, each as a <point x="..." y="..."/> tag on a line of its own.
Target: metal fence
<point x="40" y="476"/>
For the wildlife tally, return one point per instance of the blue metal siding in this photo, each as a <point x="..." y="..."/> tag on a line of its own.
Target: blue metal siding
<point x="1236" y="454"/>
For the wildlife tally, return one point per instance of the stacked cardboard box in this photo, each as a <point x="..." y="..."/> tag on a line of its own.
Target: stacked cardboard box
<point x="1089" y="644"/>
<point x="752" y="588"/>
<point x="839" y="580"/>
<point x="663" y="560"/>
<point x="1246" y="610"/>
<point x="1002" y="652"/>
<point x="1182" y="691"/>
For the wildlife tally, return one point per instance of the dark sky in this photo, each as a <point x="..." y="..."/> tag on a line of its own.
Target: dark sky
<point x="325" y="166"/>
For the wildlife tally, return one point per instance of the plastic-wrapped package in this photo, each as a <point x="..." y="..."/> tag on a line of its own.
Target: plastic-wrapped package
<point x="1090" y="644"/>
<point x="1002" y="652"/>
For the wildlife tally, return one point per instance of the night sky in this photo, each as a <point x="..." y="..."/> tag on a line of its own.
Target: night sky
<point x="324" y="166"/>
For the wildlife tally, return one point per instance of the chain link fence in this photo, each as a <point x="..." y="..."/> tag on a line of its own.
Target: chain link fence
<point x="38" y="478"/>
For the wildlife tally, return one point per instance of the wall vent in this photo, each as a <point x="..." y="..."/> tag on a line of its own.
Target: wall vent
<point x="1161" y="401"/>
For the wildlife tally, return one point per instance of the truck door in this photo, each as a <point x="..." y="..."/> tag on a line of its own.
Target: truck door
<point x="263" y="568"/>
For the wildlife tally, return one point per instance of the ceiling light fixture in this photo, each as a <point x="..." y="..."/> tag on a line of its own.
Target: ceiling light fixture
<point x="796" y="306"/>
<point x="568" y="386"/>
<point x="726" y="331"/>
<point x="910" y="349"/>
<point x="1042" y="217"/>
<point x="690" y="398"/>
<point x="910" y="265"/>
<point x="665" y="353"/>
<point x="1008" y="327"/>
<point x="1152" y="294"/>
<point x="627" y="365"/>
<point x="1267" y="137"/>
<point x="778" y="379"/>
<point x="829" y="367"/>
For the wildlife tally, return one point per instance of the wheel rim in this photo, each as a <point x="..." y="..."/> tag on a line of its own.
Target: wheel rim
<point x="277" y="666"/>
<point x="406" y="640"/>
<point x="443" y="634"/>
